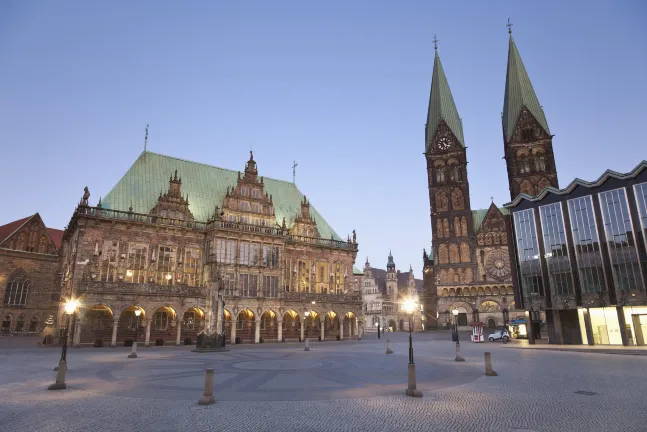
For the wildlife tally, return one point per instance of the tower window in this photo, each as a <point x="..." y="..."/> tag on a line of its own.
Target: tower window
<point x="528" y="134"/>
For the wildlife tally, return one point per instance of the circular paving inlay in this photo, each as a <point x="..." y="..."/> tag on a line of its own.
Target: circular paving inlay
<point x="276" y="365"/>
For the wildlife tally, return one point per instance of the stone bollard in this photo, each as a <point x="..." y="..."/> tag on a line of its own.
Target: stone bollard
<point x="488" y="365"/>
<point x="207" y="398"/>
<point x="60" y="377"/>
<point x="458" y="350"/>
<point x="388" y="347"/>
<point x="133" y="351"/>
<point x="307" y="348"/>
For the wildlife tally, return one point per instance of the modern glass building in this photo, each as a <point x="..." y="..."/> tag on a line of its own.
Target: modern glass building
<point x="580" y="255"/>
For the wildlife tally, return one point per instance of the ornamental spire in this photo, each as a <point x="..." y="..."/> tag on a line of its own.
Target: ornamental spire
<point x="519" y="93"/>
<point x="441" y="104"/>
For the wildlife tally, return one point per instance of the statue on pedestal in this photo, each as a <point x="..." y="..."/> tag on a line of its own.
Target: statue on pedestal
<point x="212" y="337"/>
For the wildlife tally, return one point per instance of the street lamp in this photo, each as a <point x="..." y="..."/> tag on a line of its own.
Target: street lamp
<point x="61" y="370"/>
<point x="377" y="324"/>
<point x="307" y="344"/>
<point x="133" y="352"/>
<point x="409" y="307"/>
<point x="458" y="344"/>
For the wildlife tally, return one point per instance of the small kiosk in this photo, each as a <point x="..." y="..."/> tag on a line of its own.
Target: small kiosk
<point x="477" y="331"/>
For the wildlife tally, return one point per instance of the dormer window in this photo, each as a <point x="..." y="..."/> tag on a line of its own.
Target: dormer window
<point x="244" y="191"/>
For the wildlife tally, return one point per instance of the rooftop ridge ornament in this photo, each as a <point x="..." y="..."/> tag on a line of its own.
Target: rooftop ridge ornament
<point x="146" y="139"/>
<point x="509" y="26"/>
<point x="294" y="171"/>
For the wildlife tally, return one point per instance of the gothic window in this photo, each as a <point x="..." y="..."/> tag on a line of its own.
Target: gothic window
<point x="439" y="228"/>
<point x="464" y="226"/>
<point x="457" y="226"/>
<point x="526" y="187"/>
<point x="108" y="268"/>
<point x="457" y="200"/>
<point x="488" y="239"/>
<point x="192" y="266"/>
<point x="465" y="253"/>
<point x="446" y="227"/>
<point x="439" y="169"/>
<point x="504" y="238"/>
<point x="6" y="324"/>
<point x="495" y="238"/>
<point x="20" y="323"/>
<point x="137" y="260"/>
<point x="17" y="290"/>
<point x="467" y="275"/>
<point x="453" y="254"/>
<point x="442" y="203"/>
<point x="165" y="265"/>
<point x="443" y="254"/>
<point x="454" y="171"/>
<point x="457" y="279"/>
<point x="540" y="163"/>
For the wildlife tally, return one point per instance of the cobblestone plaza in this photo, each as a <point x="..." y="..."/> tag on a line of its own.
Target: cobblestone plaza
<point x="336" y="386"/>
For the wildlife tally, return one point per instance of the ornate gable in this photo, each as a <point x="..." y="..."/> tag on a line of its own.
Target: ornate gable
<point x="304" y="223"/>
<point x="492" y="230"/>
<point x="445" y="140"/>
<point x="248" y="202"/>
<point x="31" y="236"/>
<point x="172" y="204"/>
<point x="527" y="129"/>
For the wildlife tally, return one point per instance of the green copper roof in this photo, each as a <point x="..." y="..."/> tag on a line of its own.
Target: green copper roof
<point x="441" y="106"/>
<point x="479" y="215"/>
<point x="519" y="93"/>
<point x="357" y="271"/>
<point x="205" y="186"/>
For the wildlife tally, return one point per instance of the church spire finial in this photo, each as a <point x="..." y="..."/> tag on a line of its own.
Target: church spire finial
<point x="146" y="139"/>
<point x="509" y="26"/>
<point x="436" y="43"/>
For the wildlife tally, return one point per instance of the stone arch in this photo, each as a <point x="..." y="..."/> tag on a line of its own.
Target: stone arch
<point x="459" y="291"/>
<point x="526" y="187"/>
<point x="445" y="292"/>
<point x="192" y="320"/>
<point x="34" y="325"/>
<point x="457" y="226"/>
<point x="481" y="291"/>
<point x="458" y="199"/>
<point x="453" y="253"/>
<point x="392" y="325"/>
<point x="331" y="325"/>
<point x="463" y="226"/>
<point x="443" y="254"/>
<point x="442" y="203"/>
<point x="163" y="323"/>
<point x="467" y="275"/>
<point x="269" y="326"/>
<point x="452" y="292"/>
<point x="97" y="325"/>
<point x="446" y="227"/>
<point x="439" y="227"/>
<point x="510" y="291"/>
<point x="129" y="325"/>
<point x="521" y="153"/>
<point x="491" y="322"/>
<point x="466" y="255"/>
<point x="349" y="325"/>
<point x="488" y="290"/>
<point x="473" y="291"/>
<point x="245" y="325"/>
<point x="291" y="325"/>
<point x="538" y="150"/>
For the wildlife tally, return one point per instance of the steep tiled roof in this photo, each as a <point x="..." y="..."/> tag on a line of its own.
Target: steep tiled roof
<point x="608" y="174"/>
<point x="12" y="227"/>
<point x="519" y="93"/>
<point x="205" y="186"/>
<point x="56" y="235"/>
<point x="441" y="106"/>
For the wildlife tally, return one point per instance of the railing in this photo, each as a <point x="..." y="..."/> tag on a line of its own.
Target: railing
<point x="308" y="297"/>
<point x="143" y="289"/>
<point x="129" y="216"/>
<point x="337" y="244"/>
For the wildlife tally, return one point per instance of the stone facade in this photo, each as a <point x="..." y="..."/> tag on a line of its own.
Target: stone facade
<point x="279" y="280"/>
<point x="29" y="276"/>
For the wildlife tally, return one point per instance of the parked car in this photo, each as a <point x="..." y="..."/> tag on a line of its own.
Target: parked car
<point x="499" y="335"/>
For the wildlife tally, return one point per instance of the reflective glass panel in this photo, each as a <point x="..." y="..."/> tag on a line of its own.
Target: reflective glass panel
<point x="528" y="252"/>
<point x="556" y="249"/>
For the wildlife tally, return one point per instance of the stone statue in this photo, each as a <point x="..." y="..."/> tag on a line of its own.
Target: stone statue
<point x="86" y="196"/>
<point x="354" y="237"/>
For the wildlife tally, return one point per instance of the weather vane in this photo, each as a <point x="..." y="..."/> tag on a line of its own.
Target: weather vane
<point x="435" y="42"/>
<point x="294" y="171"/>
<point x="146" y="138"/>
<point x="509" y="26"/>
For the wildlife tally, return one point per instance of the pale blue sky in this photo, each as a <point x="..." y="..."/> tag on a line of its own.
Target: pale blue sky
<point x="340" y="86"/>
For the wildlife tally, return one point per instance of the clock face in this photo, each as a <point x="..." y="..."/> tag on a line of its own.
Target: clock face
<point x="444" y="143"/>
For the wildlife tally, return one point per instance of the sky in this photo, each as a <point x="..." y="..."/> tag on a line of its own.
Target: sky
<point x="341" y="87"/>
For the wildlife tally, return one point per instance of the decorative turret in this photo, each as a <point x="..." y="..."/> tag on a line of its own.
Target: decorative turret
<point x="250" y="169"/>
<point x="172" y="204"/>
<point x="390" y="265"/>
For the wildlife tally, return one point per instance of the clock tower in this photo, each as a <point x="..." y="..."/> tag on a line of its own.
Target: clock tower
<point x="453" y="238"/>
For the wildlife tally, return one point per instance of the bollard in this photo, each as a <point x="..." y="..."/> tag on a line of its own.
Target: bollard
<point x="458" y="350"/>
<point x="60" y="377"/>
<point x="207" y="398"/>
<point x="133" y="351"/>
<point x="488" y="365"/>
<point x="307" y="348"/>
<point x="388" y="347"/>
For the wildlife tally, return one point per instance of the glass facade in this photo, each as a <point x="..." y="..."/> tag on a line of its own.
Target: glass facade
<point x="556" y="249"/>
<point x="528" y="252"/>
<point x="620" y="240"/>
<point x="587" y="245"/>
<point x="641" y="202"/>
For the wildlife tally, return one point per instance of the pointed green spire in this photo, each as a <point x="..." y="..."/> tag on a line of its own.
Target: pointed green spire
<point x="441" y="106"/>
<point x="519" y="93"/>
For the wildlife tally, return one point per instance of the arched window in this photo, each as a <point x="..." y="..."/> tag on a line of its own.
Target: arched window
<point x="6" y="324"/>
<point x="20" y="323"/>
<point x="458" y="200"/>
<point x="446" y="227"/>
<point x="17" y="290"/>
<point x="34" y="323"/>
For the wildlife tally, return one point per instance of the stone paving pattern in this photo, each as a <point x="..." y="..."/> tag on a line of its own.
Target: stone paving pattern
<point x="337" y="386"/>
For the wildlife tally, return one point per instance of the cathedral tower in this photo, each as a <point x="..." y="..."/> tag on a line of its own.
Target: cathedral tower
<point x="527" y="140"/>
<point x="449" y="196"/>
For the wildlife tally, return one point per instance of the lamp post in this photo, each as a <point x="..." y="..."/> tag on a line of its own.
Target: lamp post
<point x="61" y="370"/>
<point x="377" y="324"/>
<point x="133" y="352"/>
<point x="458" y="344"/>
<point x="409" y="307"/>
<point x="307" y="345"/>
